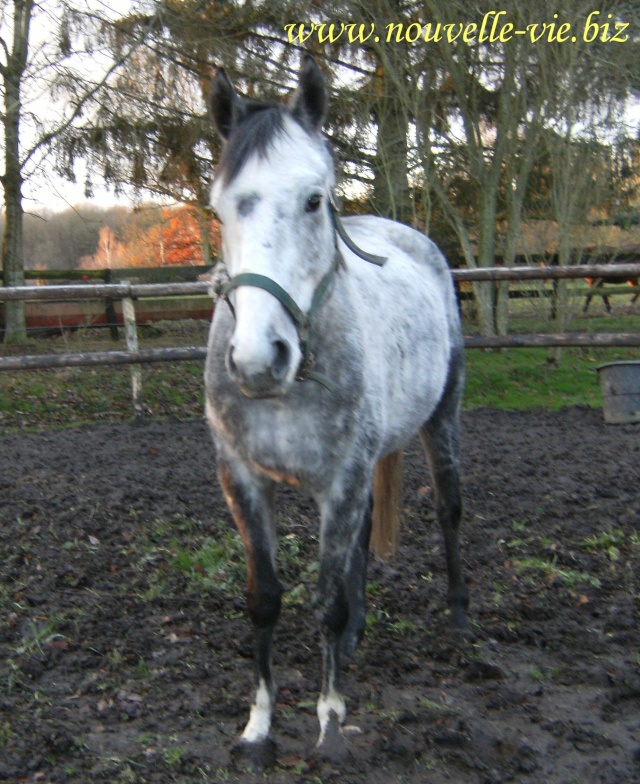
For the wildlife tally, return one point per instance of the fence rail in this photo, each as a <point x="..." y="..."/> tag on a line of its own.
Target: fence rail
<point x="170" y="274"/>
<point x="94" y="358"/>
<point x="191" y="353"/>
<point x="133" y="291"/>
<point x="547" y="273"/>
<point x="563" y="339"/>
<point x="103" y="291"/>
<point x="78" y="291"/>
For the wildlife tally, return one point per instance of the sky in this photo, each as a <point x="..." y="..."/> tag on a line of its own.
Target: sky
<point x="56" y="194"/>
<point x="43" y="190"/>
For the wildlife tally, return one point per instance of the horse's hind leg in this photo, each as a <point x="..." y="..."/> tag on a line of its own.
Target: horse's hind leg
<point x="440" y="437"/>
<point x="250" y="499"/>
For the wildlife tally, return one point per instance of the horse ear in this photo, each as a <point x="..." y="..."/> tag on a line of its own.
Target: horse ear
<point x="309" y="102"/>
<point x="226" y="107"/>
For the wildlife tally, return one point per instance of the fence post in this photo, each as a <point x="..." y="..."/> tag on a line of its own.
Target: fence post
<point x="131" y="334"/>
<point x="110" y="310"/>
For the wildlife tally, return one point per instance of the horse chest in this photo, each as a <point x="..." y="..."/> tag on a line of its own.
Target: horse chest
<point x="286" y="442"/>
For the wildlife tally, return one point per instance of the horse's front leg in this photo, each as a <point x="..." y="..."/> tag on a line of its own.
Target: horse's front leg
<point x="345" y="527"/>
<point x="250" y="499"/>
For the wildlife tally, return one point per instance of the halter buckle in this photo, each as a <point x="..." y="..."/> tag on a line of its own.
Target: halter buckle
<point x="307" y="364"/>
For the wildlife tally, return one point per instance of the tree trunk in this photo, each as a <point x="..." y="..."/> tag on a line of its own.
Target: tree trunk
<point x="13" y="264"/>
<point x="560" y="298"/>
<point x="391" y="195"/>
<point x="12" y="251"/>
<point x="485" y="295"/>
<point x="485" y="291"/>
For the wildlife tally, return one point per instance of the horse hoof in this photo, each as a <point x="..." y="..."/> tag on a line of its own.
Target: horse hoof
<point x="332" y="747"/>
<point x="461" y="635"/>
<point x="480" y="670"/>
<point x="257" y="756"/>
<point x="460" y="629"/>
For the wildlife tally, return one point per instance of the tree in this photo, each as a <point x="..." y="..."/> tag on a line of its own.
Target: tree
<point x="442" y="132"/>
<point x="12" y="71"/>
<point x="152" y="235"/>
<point x="484" y="132"/>
<point x="486" y="124"/>
<point x="43" y="63"/>
<point x="109" y="251"/>
<point x="152" y="131"/>
<point x="580" y="141"/>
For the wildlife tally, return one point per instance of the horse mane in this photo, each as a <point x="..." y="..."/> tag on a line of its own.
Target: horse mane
<point x="254" y="134"/>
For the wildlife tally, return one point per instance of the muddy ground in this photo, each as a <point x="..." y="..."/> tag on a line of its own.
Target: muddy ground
<point x="125" y="655"/>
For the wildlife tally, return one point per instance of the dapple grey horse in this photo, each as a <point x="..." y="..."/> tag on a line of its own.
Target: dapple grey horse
<point x="338" y="341"/>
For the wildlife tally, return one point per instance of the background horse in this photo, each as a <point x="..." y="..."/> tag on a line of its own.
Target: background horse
<point x="596" y="286"/>
<point x="325" y="360"/>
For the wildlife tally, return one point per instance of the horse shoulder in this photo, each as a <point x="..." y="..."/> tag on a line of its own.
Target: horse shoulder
<point x="388" y="237"/>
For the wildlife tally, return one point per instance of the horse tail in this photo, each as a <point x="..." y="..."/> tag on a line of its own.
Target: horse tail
<point x="387" y="497"/>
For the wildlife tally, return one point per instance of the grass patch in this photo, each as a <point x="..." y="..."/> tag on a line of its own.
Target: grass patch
<point x="611" y="542"/>
<point x="534" y="568"/>
<point x="214" y="564"/>
<point x="6" y="734"/>
<point x="71" y="397"/>
<point x="541" y="674"/>
<point x="523" y="378"/>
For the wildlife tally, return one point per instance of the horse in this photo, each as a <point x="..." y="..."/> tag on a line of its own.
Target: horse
<point x="598" y="283"/>
<point x="333" y="343"/>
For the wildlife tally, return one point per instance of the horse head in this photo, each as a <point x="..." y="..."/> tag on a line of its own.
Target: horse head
<point x="272" y="194"/>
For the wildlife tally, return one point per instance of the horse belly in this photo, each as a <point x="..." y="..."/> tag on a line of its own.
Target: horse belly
<point x="408" y="364"/>
<point x="413" y="394"/>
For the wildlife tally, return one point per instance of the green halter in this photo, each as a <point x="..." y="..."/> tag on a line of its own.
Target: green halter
<point x="302" y="320"/>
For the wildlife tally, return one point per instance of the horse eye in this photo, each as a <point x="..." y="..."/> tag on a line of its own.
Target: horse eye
<point x="313" y="203"/>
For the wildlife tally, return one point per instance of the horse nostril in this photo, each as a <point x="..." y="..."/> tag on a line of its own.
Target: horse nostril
<point x="262" y="375"/>
<point x="281" y="359"/>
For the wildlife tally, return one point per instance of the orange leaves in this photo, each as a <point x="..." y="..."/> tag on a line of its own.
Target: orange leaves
<point x="168" y="236"/>
<point x="181" y="237"/>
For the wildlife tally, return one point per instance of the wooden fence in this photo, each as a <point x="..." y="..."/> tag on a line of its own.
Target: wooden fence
<point x="130" y="292"/>
<point x="57" y="314"/>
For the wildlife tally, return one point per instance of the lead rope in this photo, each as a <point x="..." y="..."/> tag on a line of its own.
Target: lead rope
<point x="372" y="258"/>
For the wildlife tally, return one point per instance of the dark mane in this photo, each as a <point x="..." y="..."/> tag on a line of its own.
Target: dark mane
<point x="255" y="133"/>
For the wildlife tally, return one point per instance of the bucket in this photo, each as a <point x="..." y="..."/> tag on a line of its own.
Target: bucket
<point x="620" y="383"/>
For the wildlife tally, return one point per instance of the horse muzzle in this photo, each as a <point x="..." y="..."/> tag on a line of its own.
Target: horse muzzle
<point x="264" y="374"/>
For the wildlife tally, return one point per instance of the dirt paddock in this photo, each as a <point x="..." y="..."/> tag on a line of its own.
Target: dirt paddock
<point x="125" y="655"/>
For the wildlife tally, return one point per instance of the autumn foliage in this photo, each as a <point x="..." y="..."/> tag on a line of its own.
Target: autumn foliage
<point x="168" y="236"/>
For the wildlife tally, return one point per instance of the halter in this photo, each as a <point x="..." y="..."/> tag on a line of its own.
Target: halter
<point x="302" y="320"/>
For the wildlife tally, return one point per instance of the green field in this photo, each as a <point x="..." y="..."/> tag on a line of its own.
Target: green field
<point x="511" y="378"/>
<point x="523" y="377"/>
